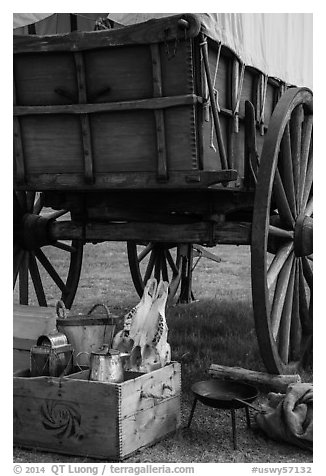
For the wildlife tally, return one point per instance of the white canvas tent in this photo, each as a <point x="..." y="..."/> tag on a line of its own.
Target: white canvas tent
<point x="278" y="44"/>
<point x="53" y="23"/>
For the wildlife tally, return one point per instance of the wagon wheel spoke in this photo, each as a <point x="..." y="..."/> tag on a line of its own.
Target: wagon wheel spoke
<point x="280" y="232"/>
<point x="282" y="225"/>
<point x="309" y="208"/>
<point x="50" y="269"/>
<point x="278" y="263"/>
<point x="155" y="259"/>
<point x="286" y="170"/>
<point x="157" y="269"/>
<point x="57" y="214"/>
<point x="308" y="185"/>
<point x="306" y="151"/>
<point x="306" y="321"/>
<point x="18" y="257"/>
<point x="23" y="280"/>
<point x="30" y="198"/>
<point x="64" y="247"/>
<point x="279" y="296"/>
<point x="150" y="266"/>
<point x="296" y="132"/>
<point x="37" y="282"/>
<point x="145" y="252"/>
<point x="285" y="325"/>
<point x="175" y="269"/>
<point x="307" y="272"/>
<point x="164" y="268"/>
<point x="38" y="205"/>
<point x="296" y="329"/>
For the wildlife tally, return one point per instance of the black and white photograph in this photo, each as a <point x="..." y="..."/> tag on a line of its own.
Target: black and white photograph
<point x="162" y="241"/>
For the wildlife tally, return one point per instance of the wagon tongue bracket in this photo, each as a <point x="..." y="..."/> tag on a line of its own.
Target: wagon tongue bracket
<point x="303" y="236"/>
<point x="34" y="231"/>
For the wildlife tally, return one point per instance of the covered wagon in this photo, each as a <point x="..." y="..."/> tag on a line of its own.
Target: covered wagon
<point x="172" y="133"/>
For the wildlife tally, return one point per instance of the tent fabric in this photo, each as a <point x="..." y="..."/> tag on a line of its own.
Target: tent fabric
<point x="54" y="23"/>
<point x="23" y="19"/>
<point x="278" y="44"/>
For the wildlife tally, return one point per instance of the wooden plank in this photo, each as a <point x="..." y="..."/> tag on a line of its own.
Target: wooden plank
<point x="153" y="31"/>
<point x="62" y="415"/>
<point x="150" y="389"/>
<point x="203" y="202"/>
<point x="84" y="119"/>
<point x="146" y="427"/>
<point x="127" y="180"/>
<point x="199" y="232"/>
<point x="18" y="147"/>
<point x="162" y="166"/>
<point x="139" y="104"/>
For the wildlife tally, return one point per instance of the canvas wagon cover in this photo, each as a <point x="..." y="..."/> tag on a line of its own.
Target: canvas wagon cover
<point x="278" y="44"/>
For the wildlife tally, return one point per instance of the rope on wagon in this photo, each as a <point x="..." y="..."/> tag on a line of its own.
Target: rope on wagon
<point x="212" y="146"/>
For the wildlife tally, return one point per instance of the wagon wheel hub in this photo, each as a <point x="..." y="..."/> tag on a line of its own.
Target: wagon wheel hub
<point x="32" y="232"/>
<point x="303" y="236"/>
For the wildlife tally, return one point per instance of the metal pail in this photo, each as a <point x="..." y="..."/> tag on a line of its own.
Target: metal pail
<point x="86" y="332"/>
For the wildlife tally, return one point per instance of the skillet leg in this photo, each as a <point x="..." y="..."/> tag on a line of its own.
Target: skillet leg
<point x="234" y="429"/>
<point x="192" y="412"/>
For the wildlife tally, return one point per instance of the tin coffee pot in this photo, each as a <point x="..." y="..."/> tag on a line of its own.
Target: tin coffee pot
<point x="107" y="365"/>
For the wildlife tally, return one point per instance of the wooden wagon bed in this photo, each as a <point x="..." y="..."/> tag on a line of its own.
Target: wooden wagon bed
<point x="130" y="108"/>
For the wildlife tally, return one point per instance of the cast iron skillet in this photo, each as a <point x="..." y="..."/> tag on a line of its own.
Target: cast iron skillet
<point x="224" y="394"/>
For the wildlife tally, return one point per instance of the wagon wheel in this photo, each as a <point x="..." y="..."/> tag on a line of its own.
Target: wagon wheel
<point x="32" y="246"/>
<point x="281" y="251"/>
<point x="168" y="261"/>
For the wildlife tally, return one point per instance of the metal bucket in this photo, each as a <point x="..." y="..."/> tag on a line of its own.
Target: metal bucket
<point x="86" y="332"/>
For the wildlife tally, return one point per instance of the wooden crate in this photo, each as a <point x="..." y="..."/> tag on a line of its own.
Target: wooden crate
<point x="29" y="323"/>
<point x="76" y="416"/>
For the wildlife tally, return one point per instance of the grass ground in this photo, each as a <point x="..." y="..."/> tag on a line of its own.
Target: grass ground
<point x="218" y="328"/>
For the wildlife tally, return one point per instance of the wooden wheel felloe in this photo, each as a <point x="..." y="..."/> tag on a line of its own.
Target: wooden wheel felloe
<point x="166" y="261"/>
<point x="58" y="276"/>
<point x="281" y="251"/>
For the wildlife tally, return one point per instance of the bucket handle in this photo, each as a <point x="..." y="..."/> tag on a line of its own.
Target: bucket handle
<point x="76" y="358"/>
<point x="60" y="307"/>
<point x="106" y="310"/>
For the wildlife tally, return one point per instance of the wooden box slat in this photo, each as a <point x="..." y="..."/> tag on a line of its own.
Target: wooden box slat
<point x="76" y="416"/>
